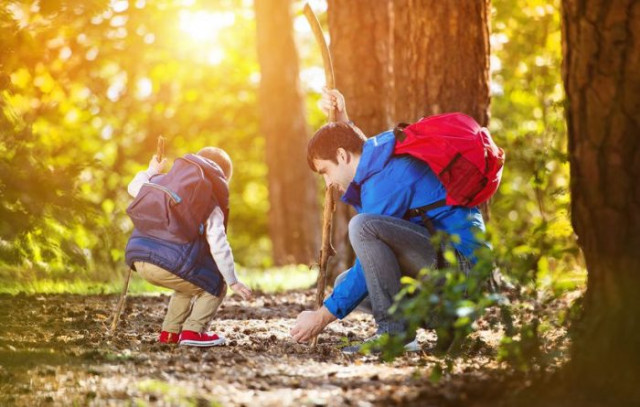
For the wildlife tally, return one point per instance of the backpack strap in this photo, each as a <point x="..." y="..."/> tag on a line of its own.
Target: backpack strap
<point x="428" y="223"/>
<point x="398" y="132"/>
<point x="422" y="210"/>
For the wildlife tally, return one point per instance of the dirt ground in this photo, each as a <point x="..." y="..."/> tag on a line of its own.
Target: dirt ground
<point x="55" y="350"/>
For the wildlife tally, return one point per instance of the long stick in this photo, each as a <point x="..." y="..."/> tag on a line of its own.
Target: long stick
<point x="125" y="289"/>
<point x="326" y="251"/>
<point x="160" y="148"/>
<point x="326" y="56"/>
<point x="329" y="206"/>
<point x="121" y="301"/>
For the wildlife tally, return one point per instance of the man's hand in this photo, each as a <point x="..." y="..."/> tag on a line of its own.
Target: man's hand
<point x="242" y="289"/>
<point x="155" y="166"/>
<point x="333" y="99"/>
<point x="311" y="323"/>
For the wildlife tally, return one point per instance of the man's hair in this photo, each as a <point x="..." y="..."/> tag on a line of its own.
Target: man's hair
<point x="330" y="137"/>
<point x="220" y="157"/>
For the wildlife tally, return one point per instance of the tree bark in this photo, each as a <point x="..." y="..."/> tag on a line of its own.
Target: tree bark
<point x="441" y="58"/>
<point x="360" y="32"/>
<point x="361" y="46"/>
<point x="293" y="215"/>
<point x="602" y="80"/>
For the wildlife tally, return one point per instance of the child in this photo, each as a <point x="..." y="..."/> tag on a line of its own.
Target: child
<point x="195" y="270"/>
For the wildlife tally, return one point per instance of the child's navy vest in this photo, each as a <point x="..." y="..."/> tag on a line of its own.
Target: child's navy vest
<point x="190" y="261"/>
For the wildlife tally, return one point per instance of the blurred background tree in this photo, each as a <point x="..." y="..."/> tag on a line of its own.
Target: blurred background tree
<point x="294" y="219"/>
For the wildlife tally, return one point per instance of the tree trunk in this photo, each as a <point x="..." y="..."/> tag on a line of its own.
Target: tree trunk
<point x="602" y="81"/>
<point x="294" y="215"/>
<point x="360" y="48"/>
<point x="441" y="58"/>
<point x="361" y="45"/>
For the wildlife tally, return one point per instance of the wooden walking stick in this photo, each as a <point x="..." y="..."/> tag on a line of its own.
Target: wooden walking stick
<point x="326" y="251"/>
<point x="326" y="56"/>
<point x="329" y="206"/>
<point x="160" y="148"/>
<point x="125" y="288"/>
<point x="121" y="301"/>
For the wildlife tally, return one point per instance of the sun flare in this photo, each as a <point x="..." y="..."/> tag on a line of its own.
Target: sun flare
<point x="203" y="29"/>
<point x="204" y="25"/>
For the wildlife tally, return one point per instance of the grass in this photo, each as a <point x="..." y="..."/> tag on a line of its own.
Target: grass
<point x="278" y="279"/>
<point x="78" y="286"/>
<point x="270" y="280"/>
<point x="172" y="394"/>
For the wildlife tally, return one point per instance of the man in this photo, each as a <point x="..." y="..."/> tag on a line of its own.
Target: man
<point x="382" y="188"/>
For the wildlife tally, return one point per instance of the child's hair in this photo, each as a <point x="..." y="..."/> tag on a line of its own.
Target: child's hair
<point x="220" y="157"/>
<point x="330" y="137"/>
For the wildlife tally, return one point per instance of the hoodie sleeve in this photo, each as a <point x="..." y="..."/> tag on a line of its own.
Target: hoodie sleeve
<point x="349" y="293"/>
<point x="136" y="183"/>
<point x="219" y="245"/>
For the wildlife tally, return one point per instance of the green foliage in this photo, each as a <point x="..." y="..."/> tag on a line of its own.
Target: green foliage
<point x="446" y="300"/>
<point x="521" y="348"/>
<point x="86" y="87"/>
<point x="267" y="280"/>
<point x="38" y="188"/>
<point x="530" y="227"/>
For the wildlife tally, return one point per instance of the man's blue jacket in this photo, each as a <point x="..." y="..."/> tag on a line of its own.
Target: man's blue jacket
<point x="385" y="184"/>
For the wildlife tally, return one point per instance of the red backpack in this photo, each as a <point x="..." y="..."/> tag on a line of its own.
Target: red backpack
<point x="459" y="151"/>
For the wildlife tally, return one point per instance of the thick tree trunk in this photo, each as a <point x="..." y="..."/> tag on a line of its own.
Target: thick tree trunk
<point x="360" y="47"/>
<point x="293" y="216"/>
<point x="441" y="58"/>
<point x="601" y="40"/>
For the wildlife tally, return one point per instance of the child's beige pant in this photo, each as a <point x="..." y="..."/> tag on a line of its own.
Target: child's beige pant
<point x="183" y="313"/>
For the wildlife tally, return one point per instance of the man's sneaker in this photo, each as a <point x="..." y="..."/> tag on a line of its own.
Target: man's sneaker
<point x="205" y="339"/>
<point x="168" y="337"/>
<point x="412" y="346"/>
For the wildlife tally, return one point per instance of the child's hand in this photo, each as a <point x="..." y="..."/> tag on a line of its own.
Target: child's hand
<point x="333" y="99"/>
<point x="242" y="289"/>
<point x="157" y="166"/>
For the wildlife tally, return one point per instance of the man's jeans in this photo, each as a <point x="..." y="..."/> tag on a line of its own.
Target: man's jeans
<point x="388" y="248"/>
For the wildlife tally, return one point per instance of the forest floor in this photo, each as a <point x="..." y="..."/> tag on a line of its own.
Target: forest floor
<point x="55" y="350"/>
